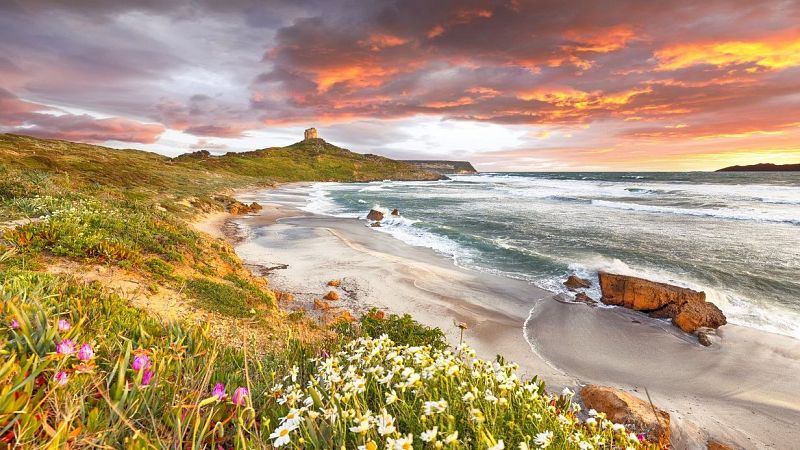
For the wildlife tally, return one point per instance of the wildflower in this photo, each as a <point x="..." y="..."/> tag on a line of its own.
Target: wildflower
<point x="219" y="391"/>
<point x="404" y="443"/>
<point x="391" y="397"/>
<point x="451" y="438"/>
<point x="362" y="425"/>
<point x="468" y="397"/>
<point x="386" y="423"/>
<point x="61" y="378"/>
<point x="567" y="393"/>
<point x="86" y="352"/>
<point x="292" y="417"/>
<point x="281" y="434"/>
<point x="147" y="376"/>
<point x="523" y="445"/>
<point x="477" y="415"/>
<point x="239" y="396"/>
<point x="429" y="435"/>
<point x="63" y="325"/>
<point x="543" y="439"/>
<point x="431" y="408"/>
<point x="141" y="362"/>
<point x="66" y="347"/>
<point x="14" y="324"/>
<point x="499" y="446"/>
<point x="618" y="427"/>
<point x="489" y="397"/>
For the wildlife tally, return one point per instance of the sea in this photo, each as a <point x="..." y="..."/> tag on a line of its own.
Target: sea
<point x="735" y="236"/>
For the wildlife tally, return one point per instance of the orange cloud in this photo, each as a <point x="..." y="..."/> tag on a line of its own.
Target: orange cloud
<point x="376" y="42"/>
<point x="359" y="76"/>
<point x="600" y="40"/>
<point x="775" y="53"/>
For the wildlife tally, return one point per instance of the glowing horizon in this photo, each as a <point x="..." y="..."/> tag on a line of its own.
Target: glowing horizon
<point x="622" y="85"/>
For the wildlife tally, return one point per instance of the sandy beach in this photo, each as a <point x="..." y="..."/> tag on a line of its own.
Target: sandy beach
<point x="742" y="391"/>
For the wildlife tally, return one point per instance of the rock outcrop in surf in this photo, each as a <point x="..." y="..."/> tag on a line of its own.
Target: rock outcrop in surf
<point x="687" y="308"/>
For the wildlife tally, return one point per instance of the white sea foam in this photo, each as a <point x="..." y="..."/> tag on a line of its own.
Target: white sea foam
<point x="722" y="213"/>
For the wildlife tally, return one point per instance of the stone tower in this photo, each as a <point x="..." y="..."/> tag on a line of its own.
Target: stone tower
<point x="310" y="133"/>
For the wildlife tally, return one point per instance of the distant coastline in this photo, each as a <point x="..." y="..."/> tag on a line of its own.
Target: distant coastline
<point x="763" y="167"/>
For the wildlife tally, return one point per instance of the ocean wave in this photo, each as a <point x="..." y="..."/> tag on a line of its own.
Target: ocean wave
<point x="717" y="213"/>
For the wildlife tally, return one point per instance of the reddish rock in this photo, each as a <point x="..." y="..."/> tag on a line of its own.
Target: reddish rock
<point x="703" y="339"/>
<point x="687" y="308"/>
<point x="716" y="445"/>
<point x="332" y="295"/>
<point x="335" y="283"/>
<point x="375" y="224"/>
<point x="375" y="215"/>
<point x="574" y="282"/>
<point x="395" y="212"/>
<point x="638" y="416"/>
<point x="255" y="207"/>
<point x="583" y="298"/>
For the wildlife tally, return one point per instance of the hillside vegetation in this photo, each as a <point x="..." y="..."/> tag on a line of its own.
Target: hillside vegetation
<point x="124" y="327"/>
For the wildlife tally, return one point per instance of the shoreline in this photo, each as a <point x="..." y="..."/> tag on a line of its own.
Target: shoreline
<point x="564" y="343"/>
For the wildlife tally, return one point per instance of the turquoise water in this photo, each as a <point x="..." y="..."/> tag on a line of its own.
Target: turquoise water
<point x="734" y="235"/>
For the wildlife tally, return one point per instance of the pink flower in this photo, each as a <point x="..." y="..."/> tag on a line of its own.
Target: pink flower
<point x="63" y="325"/>
<point x="65" y="347"/>
<point x="642" y="437"/>
<point x="219" y="391"/>
<point x="147" y="376"/>
<point x="239" y="395"/>
<point x="141" y="362"/>
<point x="85" y="353"/>
<point x="14" y="324"/>
<point x="61" y="378"/>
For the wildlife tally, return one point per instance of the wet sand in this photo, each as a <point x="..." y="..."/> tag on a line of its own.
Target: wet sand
<point x="744" y="390"/>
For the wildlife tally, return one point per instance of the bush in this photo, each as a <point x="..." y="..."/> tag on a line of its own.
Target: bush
<point x="401" y="329"/>
<point x="159" y="268"/>
<point x="232" y="301"/>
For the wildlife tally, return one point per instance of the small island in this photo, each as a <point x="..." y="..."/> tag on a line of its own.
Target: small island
<point x="763" y="167"/>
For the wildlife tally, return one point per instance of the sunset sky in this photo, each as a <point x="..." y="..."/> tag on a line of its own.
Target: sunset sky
<point x="508" y="85"/>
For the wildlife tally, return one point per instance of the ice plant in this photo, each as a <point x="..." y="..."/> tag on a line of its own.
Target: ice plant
<point x="61" y="378"/>
<point x="219" y="391"/>
<point x="147" y="376"/>
<point x="239" y="395"/>
<point x="86" y="352"/>
<point x="66" y="347"/>
<point x="141" y="362"/>
<point x="14" y="324"/>
<point x="63" y="325"/>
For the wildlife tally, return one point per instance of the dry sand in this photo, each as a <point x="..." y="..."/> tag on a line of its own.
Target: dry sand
<point x="744" y="390"/>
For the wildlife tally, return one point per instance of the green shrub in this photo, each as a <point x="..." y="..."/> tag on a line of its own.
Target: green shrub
<point x="159" y="268"/>
<point x="401" y="329"/>
<point x="238" y="300"/>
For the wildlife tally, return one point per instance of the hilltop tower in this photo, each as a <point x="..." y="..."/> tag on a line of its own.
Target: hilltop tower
<point x="310" y="133"/>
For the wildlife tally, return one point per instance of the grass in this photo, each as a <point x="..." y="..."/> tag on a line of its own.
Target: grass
<point x="230" y="300"/>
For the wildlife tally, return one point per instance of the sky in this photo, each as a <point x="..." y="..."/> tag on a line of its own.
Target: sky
<point x="508" y="85"/>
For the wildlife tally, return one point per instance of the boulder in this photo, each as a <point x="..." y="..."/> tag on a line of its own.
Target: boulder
<point x="583" y="298"/>
<point x="375" y="224"/>
<point x="703" y="339"/>
<point x="375" y="215"/>
<point x="335" y="283"/>
<point x="255" y="207"/>
<point x="332" y="296"/>
<point x="687" y="308"/>
<point x="574" y="282"/>
<point x="395" y="212"/>
<point x="638" y="416"/>
<point x="716" y="445"/>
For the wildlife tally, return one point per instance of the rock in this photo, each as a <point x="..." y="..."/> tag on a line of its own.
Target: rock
<point x="310" y="133"/>
<point x="638" y="415"/>
<point x="692" y="316"/>
<point x="687" y="308"/>
<point x="703" y="339"/>
<point x="395" y="212"/>
<point x="716" y="445"/>
<point x="574" y="282"/>
<point x="375" y="215"/>
<point x="335" y="283"/>
<point x="321" y="305"/>
<point x="255" y="207"/>
<point x="375" y="224"/>
<point x="583" y="298"/>
<point x="332" y="296"/>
